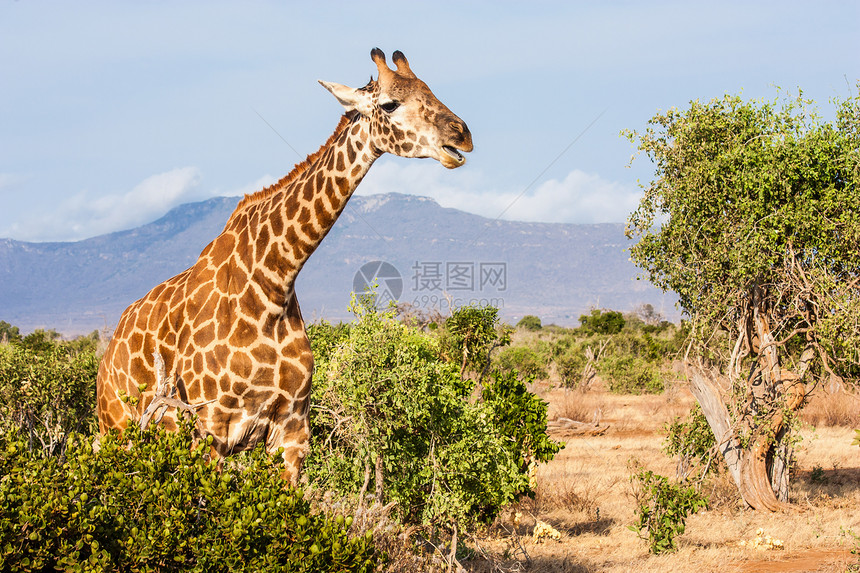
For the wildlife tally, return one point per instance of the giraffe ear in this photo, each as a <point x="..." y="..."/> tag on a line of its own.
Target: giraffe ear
<point x="349" y="98"/>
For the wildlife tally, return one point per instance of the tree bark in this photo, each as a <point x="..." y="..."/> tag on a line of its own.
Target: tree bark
<point x="752" y="469"/>
<point x="707" y="393"/>
<point x="768" y="435"/>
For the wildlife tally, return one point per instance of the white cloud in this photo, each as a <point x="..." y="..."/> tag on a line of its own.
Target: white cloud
<point x="149" y="197"/>
<point x="578" y="198"/>
<point x="83" y="215"/>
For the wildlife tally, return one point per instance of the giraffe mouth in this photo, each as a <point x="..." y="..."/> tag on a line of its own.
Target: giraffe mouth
<point x="454" y="154"/>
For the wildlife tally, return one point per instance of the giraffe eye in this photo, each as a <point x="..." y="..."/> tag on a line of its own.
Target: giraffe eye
<point x="390" y="106"/>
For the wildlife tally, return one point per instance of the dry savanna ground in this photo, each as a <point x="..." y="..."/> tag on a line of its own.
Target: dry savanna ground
<point x="586" y="494"/>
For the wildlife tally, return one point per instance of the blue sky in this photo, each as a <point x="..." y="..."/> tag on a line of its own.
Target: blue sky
<point x="112" y="113"/>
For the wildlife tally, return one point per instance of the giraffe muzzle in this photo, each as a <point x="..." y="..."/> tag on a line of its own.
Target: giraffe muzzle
<point x="459" y="138"/>
<point x="453" y="154"/>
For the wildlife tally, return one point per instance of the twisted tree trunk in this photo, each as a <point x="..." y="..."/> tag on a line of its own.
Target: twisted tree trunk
<point x="752" y="467"/>
<point x="761" y="469"/>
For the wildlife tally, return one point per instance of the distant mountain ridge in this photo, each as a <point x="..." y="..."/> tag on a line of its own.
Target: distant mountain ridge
<point x="556" y="271"/>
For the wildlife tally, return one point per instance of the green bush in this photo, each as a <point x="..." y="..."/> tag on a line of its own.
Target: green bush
<point x="627" y="374"/>
<point x="47" y="392"/>
<point x="691" y="440"/>
<point x="525" y="360"/>
<point x="387" y="403"/>
<point x="9" y="332"/>
<point x="520" y="416"/>
<point x="84" y="343"/>
<point x="470" y="335"/>
<point x="637" y="345"/>
<point x="41" y="340"/>
<point x="151" y="501"/>
<point x="627" y="352"/>
<point x="529" y="322"/>
<point x="601" y="322"/>
<point x="662" y="509"/>
<point x="570" y="366"/>
<point x="634" y="360"/>
<point x="325" y="338"/>
<point x="569" y="356"/>
<point x="387" y="398"/>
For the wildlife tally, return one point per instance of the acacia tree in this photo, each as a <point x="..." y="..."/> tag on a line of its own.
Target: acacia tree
<point x="753" y="219"/>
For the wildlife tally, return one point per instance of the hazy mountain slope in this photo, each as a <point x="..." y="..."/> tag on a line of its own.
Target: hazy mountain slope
<point x="553" y="270"/>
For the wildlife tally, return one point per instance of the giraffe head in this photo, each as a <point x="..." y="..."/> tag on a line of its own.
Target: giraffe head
<point x="406" y="119"/>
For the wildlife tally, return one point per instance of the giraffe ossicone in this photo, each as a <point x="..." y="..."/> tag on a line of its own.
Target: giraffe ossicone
<point x="228" y="331"/>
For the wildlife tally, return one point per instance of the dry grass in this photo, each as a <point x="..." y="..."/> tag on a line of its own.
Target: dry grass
<point x="586" y="494"/>
<point x="578" y="405"/>
<point x="832" y="409"/>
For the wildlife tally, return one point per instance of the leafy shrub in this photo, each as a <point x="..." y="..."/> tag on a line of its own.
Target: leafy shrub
<point x="817" y="475"/>
<point x="151" y="501"/>
<point x="9" y="332"/>
<point x="524" y="360"/>
<point x="570" y="354"/>
<point x="633" y="361"/>
<point x="602" y="322"/>
<point x="470" y="335"/>
<point x="632" y="351"/>
<point x="325" y="338"/>
<point x="520" y="416"/>
<point x="631" y="375"/>
<point x="47" y="393"/>
<point x="692" y="441"/>
<point x="570" y="364"/>
<point x="662" y="509"/>
<point x="85" y="343"/>
<point x="387" y="400"/>
<point x="529" y="322"/>
<point x="645" y="342"/>
<point x="41" y="340"/>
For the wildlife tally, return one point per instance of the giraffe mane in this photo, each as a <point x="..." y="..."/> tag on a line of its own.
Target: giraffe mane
<point x="299" y="168"/>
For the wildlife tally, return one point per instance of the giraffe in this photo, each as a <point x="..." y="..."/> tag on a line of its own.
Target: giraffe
<point x="229" y="330"/>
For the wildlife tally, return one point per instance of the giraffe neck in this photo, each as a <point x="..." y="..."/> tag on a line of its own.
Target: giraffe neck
<point x="280" y="227"/>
